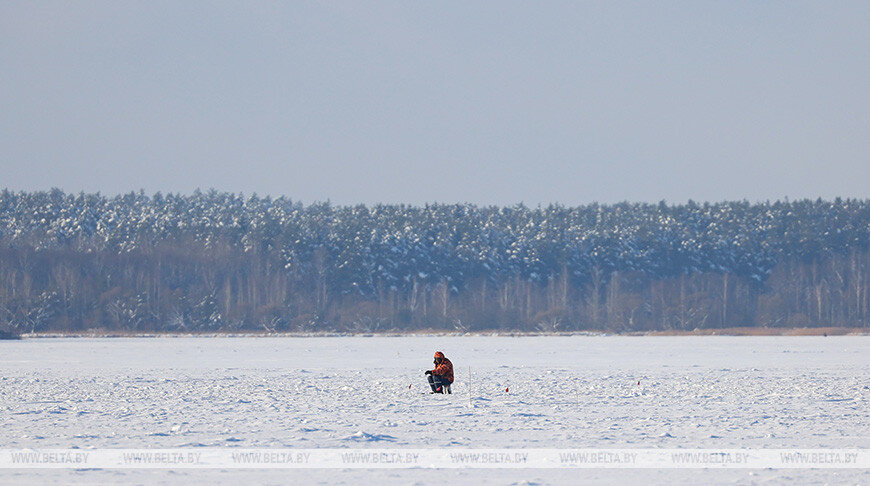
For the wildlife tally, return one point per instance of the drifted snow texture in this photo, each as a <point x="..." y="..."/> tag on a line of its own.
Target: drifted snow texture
<point x="582" y="391"/>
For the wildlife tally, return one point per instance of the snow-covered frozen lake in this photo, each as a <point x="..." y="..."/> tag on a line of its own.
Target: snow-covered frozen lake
<point x="364" y="392"/>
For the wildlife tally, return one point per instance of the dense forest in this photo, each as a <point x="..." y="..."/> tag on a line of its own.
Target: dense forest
<point x="215" y="261"/>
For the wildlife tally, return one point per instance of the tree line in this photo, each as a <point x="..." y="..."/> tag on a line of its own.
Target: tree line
<point x="214" y="261"/>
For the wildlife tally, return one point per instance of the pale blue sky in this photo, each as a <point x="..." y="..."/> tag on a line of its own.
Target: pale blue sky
<point x="485" y="102"/>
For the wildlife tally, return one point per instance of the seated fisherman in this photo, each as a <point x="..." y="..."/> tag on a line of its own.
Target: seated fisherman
<point x="442" y="374"/>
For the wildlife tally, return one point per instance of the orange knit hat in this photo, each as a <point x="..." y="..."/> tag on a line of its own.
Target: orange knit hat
<point x="439" y="354"/>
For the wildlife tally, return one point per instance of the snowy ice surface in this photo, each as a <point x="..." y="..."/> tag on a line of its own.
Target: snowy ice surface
<point x="565" y="391"/>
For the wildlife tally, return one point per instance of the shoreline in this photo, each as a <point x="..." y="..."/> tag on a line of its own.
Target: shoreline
<point x="731" y="331"/>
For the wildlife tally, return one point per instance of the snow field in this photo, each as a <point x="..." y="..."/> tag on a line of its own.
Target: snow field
<point x="564" y="392"/>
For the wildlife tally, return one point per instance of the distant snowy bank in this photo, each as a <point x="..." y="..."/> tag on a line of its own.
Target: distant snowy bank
<point x="731" y="331"/>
